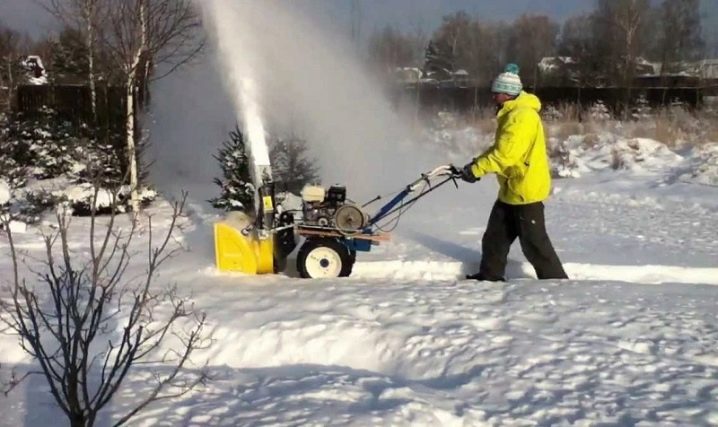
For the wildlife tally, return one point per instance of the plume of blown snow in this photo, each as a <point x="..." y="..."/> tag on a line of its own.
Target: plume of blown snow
<point x="305" y="79"/>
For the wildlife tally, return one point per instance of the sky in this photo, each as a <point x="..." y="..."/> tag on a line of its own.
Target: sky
<point x="26" y="16"/>
<point x="428" y="13"/>
<point x="408" y="14"/>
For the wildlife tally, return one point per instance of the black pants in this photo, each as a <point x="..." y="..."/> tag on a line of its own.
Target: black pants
<point x="506" y="223"/>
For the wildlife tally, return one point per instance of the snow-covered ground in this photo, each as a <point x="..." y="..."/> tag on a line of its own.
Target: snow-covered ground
<point x="630" y="339"/>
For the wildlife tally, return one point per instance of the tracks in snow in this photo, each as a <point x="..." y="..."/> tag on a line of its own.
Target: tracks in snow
<point x="435" y="270"/>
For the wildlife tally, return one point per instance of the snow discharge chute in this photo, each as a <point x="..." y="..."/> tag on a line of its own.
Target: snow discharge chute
<point x="244" y="240"/>
<point x="244" y="243"/>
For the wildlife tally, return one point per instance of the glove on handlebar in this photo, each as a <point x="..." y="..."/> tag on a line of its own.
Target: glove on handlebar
<point x="468" y="175"/>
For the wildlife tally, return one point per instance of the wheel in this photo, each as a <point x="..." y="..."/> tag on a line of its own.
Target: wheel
<point x="324" y="258"/>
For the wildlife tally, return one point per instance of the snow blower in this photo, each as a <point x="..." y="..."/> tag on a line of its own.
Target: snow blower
<point x="331" y="228"/>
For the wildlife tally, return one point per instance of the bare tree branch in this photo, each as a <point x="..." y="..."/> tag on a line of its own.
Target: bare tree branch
<point x="70" y="326"/>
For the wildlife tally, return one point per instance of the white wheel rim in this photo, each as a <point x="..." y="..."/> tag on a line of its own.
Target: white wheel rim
<point x="323" y="262"/>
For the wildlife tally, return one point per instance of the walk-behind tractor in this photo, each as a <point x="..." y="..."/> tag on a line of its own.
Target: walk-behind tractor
<point x="330" y="228"/>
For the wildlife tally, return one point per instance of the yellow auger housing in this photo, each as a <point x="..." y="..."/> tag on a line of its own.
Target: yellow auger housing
<point x="241" y="247"/>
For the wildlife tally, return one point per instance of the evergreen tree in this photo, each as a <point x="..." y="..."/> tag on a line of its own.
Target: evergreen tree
<point x="69" y="58"/>
<point x="439" y="62"/>
<point x="291" y="168"/>
<point x="237" y="190"/>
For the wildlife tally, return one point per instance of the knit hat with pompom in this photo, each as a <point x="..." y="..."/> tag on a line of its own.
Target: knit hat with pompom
<point x="508" y="82"/>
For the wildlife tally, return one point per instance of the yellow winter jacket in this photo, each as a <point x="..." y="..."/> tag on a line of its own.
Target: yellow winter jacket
<point x="518" y="156"/>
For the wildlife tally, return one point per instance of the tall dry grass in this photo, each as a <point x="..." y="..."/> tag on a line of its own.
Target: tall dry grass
<point x="676" y="127"/>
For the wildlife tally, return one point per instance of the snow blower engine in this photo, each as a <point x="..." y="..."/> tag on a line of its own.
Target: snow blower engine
<point x="329" y="209"/>
<point x="330" y="227"/>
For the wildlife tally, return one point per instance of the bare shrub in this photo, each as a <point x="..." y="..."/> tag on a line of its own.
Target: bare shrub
<point x="664" y="131"/>
<point x="292" y="167"/>
<point x="87" y="324"/>
<point x="709" y="124"/>
<point x="711" y="135"/>
<point x="570" y="111"/>
<point x="617" y="160"/>
<point x="567" y="129"/>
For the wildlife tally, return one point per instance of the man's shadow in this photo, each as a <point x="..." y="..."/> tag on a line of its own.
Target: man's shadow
<point x="470" y="258"/>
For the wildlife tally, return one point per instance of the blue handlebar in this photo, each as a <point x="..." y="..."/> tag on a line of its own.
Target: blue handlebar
<point x="388" y="207"/>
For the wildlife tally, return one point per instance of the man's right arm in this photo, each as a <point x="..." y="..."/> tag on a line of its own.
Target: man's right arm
<point x="511" y="145"/>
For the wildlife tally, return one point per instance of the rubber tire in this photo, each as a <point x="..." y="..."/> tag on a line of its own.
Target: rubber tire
<point x="345" y="256"/>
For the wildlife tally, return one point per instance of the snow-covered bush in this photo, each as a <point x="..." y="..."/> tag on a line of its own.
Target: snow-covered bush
<point x="45" y="144"/>
<point x="44" y="148"/>
<point x="79" y="198"/>
<point x="30" y="207"/>
<point x="703" y="165"/>
<point x="13" y="174"/>
<point x="551" y="113"/>
<point x="596" y="152"/>
<point x="8" y="218"/>
<point x="599" y="112"/>
<point x="642" y="109"/>
<point x="563" y="160"/>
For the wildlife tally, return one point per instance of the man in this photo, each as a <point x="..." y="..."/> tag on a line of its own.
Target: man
<point x="519" y="160"/>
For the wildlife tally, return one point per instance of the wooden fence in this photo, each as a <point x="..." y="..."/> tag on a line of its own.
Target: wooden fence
<point x="72" y="102"/>
<point x="4" y="99"/>
<point x="464" y="99"/>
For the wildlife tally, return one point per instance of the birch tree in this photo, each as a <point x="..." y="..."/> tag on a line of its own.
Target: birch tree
<point x="88" y="17"/>
<point x="9" y="52"/>
<point x="141" y="36"/>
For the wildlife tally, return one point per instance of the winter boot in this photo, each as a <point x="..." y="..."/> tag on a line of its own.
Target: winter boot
<point x="480" y="277"/>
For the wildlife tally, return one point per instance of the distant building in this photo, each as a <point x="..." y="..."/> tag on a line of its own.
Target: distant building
<point x="458" y="78"/>
<point x="407" y="75"/>
<point x="552" y="64"/>
<point x="36" y="73"/>
<point x="647" y="68"/>
<point x="446" y="78"/>
<point x="562" y="69"/>
<point x="706" y="68"/>
<point x="558" y="71"/>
